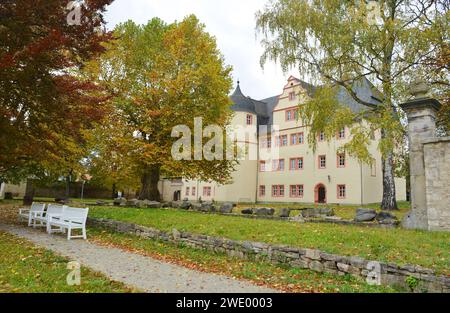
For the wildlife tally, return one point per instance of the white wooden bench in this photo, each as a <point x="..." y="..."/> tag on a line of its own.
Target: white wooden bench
<point x="70" y="219"/>
<point x="36" y="210"/>
<point x="54" y="210"/>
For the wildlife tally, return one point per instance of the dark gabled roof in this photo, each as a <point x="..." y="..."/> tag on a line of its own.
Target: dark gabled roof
<point x="271" y="103"/>
<point x="364" y="89"/>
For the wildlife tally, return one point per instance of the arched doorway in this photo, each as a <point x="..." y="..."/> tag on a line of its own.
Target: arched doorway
<point x="320" y="193"/>
<point x="177" y="195"/>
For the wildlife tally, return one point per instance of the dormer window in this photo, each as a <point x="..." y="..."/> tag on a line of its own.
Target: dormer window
<point x="249" y="119"/>
<point x="341" y="134"/>
<point x="291" y="96"/>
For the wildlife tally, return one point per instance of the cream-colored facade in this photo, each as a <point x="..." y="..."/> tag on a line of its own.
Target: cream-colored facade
<point x="294" y="173"/>
<point x="16" y="190"/>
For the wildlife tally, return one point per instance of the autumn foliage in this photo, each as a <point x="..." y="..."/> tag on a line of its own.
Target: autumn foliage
<point x="44" y="106"/>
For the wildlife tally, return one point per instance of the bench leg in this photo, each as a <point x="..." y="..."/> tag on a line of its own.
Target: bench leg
<point x="84" y="233"/>
<point x="29" y="221"/>
<point x="69" y="231"/>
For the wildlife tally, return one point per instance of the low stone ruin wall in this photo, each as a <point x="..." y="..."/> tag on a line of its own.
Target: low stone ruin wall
<point x="424" y="280"/>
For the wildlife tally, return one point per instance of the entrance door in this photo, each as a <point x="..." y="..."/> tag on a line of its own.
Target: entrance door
<point x="320" y="194"/>
<point x="177" y="195"/>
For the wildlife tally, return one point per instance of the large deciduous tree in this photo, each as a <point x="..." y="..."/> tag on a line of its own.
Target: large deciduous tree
<point x="388" y="42"/>
<point x="163" y="75"/>
<point x="45" y="107"/>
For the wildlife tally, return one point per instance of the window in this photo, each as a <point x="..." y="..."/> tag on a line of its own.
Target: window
<point x="262" y="191"/>
<point x="187" y="191"/>
<point x="300" y="163"/>
<point x="321" y="136"/>
<point x="278" y="165"/>
<point x="194" y="191"/>
<point x="277" y="141"/>
<point x="341" y="191"/>
<point x="266" y="143"/>
<point x="207" y="191"/>
<point x="292" y="164"/>
<point x="282" y="141"/>
<point x="322" y="161"/>
<point x="292" y="96"/>
<point x="341" y="133"/>
<point x="278" y="191"/>
<point x="341" y="160"/>
<point x="293" y="139"/>
<point x="373" y="169"/>
<point x="249" y="119"/>
<point x="262" y="166"/>
<point x="296" y="164"/>
<point x="296" y="191"/>
<point x="291" y="115"/>
<point x="297" y="139"/>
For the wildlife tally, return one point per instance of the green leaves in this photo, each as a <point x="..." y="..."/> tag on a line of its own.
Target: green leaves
<point x="162" y="75"/>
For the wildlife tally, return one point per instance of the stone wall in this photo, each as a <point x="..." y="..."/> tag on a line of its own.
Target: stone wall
<point x="437" y="182"/>
<point x="429" y="165"/>
<point x="319" y="261"/>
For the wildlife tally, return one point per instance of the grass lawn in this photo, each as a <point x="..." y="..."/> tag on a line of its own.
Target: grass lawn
<point x="428" y="249"/>
<point x="26" y="268"/>
<point x="262" y="273"/>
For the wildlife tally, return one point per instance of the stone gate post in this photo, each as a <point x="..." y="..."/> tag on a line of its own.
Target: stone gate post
<point x="421" y="112"/>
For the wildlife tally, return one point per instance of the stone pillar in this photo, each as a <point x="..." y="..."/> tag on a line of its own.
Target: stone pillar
<point x="421" y="112"/>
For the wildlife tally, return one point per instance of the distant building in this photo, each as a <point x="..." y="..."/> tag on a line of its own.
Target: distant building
<point x="17" y="191"/>
<point x="298" y="174"/>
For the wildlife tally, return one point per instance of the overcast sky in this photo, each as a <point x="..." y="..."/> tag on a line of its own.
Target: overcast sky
<point x="232" y="22"/>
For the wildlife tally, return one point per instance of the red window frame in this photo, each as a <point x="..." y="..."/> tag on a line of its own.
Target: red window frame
<point x="342" y="195"/>
<point x="266" y="143"/>
<point x="279" y="141"/>
<point x="292" y="96"/>
<point x="276" y="165"/>
<point x="296" y="163"/>
<point x="188" y="189"/>
<point x="278" y="191"/>
<point x="297" y="137"/>
<point x="249" y="119"/>
<point x="289" y="116"/>
<point x="207" y="191"/>
<point x="262" y="190"/>
<point x="194" y="190"/>
<point x="262" y="166"/>
<point x="296" y="191"/>
<point x="320" y="163"/>
<point x="282" y="140"/>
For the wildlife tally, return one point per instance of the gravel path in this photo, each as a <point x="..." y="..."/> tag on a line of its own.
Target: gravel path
<point x="141" y="272"/>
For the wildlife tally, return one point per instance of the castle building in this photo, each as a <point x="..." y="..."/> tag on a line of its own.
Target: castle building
<point x="297" y="174"/>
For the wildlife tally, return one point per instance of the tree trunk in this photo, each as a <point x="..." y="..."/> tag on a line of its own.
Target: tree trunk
<point x="114" y="191"/>
<point x="389" y="201"/>
<point x="67" y="195"/>
<point x="29" y="193"/>
<point x="149" y="184"/>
